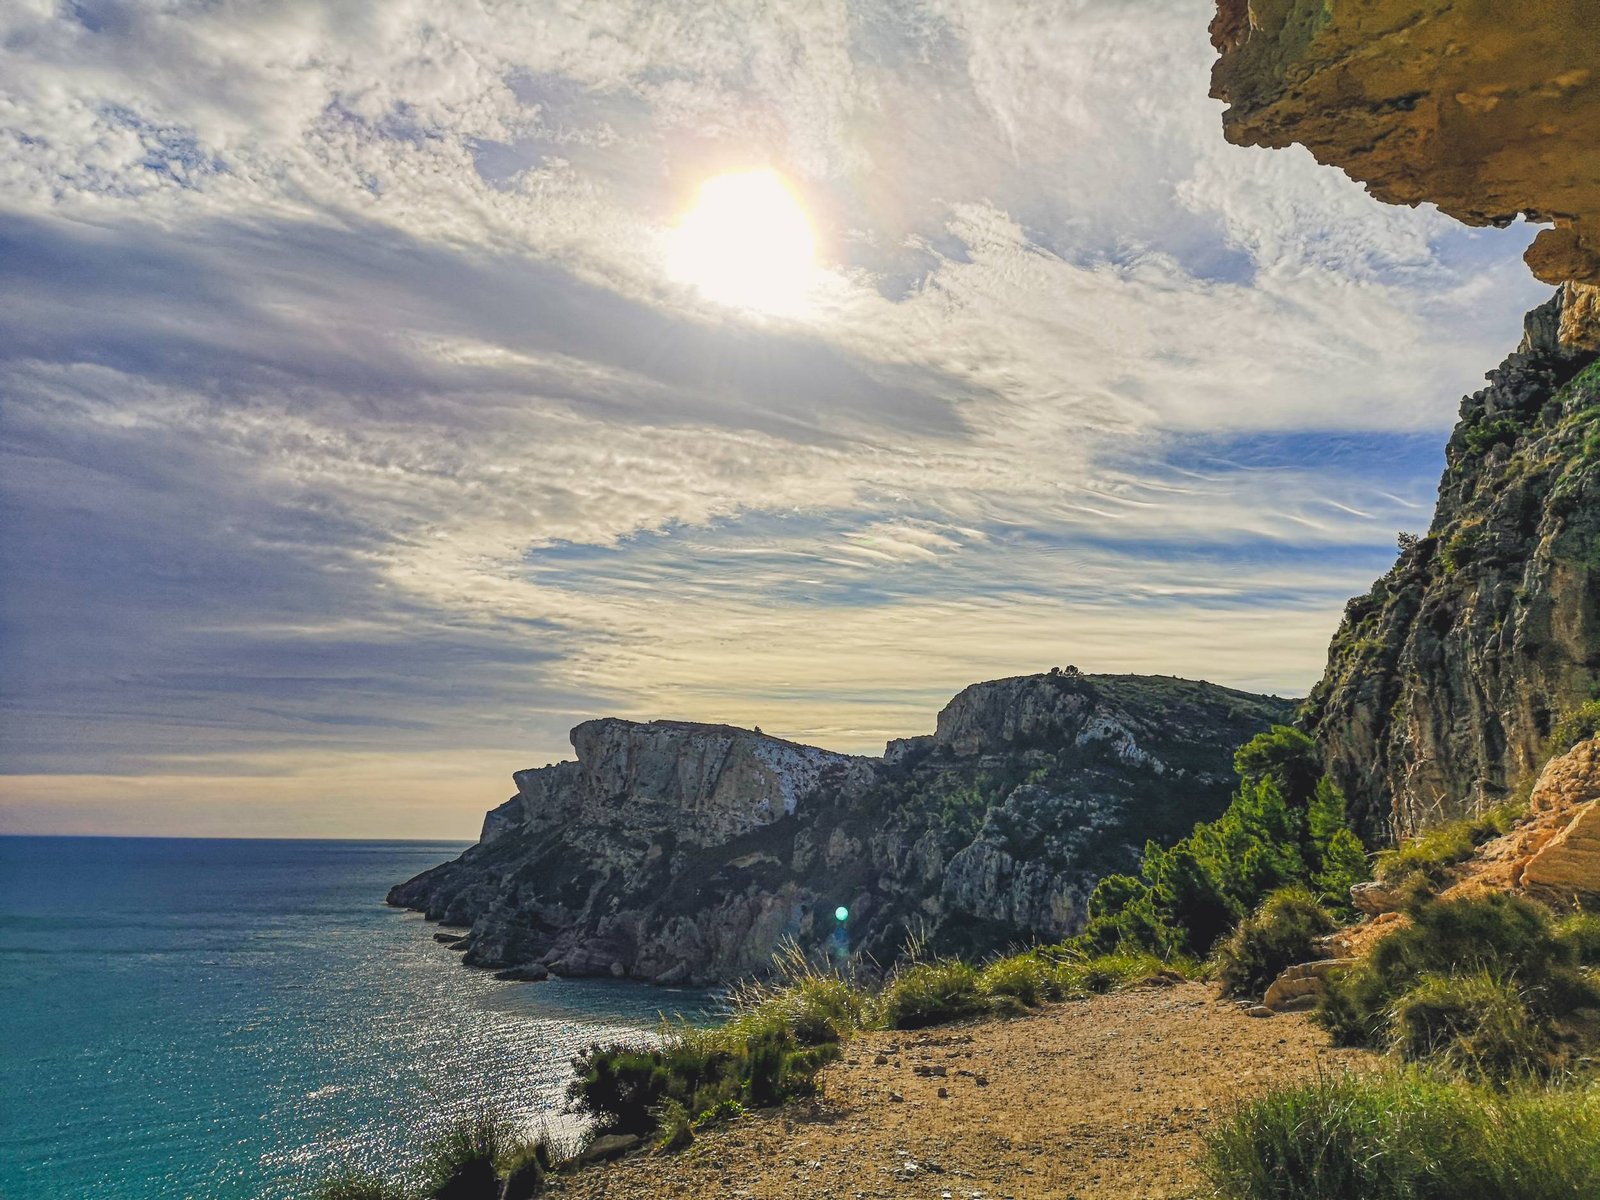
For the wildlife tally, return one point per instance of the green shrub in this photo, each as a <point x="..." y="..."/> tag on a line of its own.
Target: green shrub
<point x="1408" y="1136"/>
<point x="1498" y="431"/>
<point x="1477" y="1024"/>
<point x="1579" y="937"/>
<point x="463" y="1161"/>
<point x="1576" y="726"/>
<point x="931" y="994"/>
<point x="1285" y="825"/>
<point x="1103" y="972"/>
<point x="623" y="1088"/>
<point x="674" y="1125"/>
<point x="1506" y="937"/>
<point x="1028" y="979"/>
<point x="1281" y="933"/>
<point x="525" y="1173"/>
<point x="814" y="1008"/>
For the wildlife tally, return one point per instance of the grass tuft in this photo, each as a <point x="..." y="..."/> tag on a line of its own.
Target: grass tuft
<point x="1406" y="1135"/>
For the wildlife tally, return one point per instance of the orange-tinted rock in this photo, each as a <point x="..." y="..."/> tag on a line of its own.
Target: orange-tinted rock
<point x="1299" y="986"/>
<point x="1568" y="780"/>
<point x="1567" y="869"/>
<point x="1488" y="111"/>
<point x="1554" y="855"/>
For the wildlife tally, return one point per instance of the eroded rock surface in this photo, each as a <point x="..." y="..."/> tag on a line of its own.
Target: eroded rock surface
<point x="1444" y="681"/>
<point x="686" y="853"/>
<point x="1486" y="110"/>
<point x="1554" y="854"/>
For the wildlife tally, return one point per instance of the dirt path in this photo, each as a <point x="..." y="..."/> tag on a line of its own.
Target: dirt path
<point x="1105" y="1098"/>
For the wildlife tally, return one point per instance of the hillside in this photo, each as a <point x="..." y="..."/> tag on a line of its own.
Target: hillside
<point x="686" y="853"/>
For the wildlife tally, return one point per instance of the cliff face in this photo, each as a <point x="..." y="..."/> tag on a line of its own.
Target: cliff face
<point x="1489" y="111"/>
<point x="682" y="852"/>
<point x="1443" y="681"/>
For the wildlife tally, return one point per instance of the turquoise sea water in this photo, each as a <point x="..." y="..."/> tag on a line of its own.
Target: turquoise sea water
<point x="227" y="1019"/>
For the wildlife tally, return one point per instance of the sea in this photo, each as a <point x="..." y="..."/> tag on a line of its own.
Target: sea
<point x="232" y="1020"/>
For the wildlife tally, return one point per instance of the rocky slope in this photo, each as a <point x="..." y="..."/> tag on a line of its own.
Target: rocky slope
<point x="687" y="853"/>
<point x="1443" y="681"/>
<point x="1553" y="855"/>
<point x="1488" y="111"/>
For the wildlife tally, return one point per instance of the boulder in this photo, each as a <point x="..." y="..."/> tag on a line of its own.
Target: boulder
<point x="1374" y="898"/>
<point x="1566" y="871"/>
<point x="1299" y="986"/>
<point x="607" y="1147"/>
<point x="1568" y="780"/>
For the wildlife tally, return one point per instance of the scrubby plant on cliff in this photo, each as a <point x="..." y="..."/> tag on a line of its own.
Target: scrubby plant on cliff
<point x="1578" y="725"/>
<point x="1420" y="865"/>
<point x="1491" y="985"/>
<point x="1282" y="932"/>
<point x="1285" y="826"/>
<point x="1408" y="1136"/>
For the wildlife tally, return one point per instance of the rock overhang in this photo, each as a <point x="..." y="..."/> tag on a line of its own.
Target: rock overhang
<point x="1488" y="111"/>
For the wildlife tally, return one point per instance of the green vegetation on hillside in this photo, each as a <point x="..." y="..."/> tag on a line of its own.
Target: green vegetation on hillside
<point x="1493" y="987"/>
<point x="1284" y="828"/>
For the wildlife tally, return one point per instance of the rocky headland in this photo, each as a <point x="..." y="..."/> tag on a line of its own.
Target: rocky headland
<point x="687" y="853"/>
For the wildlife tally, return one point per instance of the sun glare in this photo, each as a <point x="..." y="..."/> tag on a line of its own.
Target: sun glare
<point x="746" y="243"/>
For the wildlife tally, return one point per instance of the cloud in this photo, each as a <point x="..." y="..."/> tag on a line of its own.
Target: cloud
<point x="351" y="426"/>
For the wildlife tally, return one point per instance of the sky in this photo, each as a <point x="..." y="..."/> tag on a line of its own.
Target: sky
<point x="361" y="430"/>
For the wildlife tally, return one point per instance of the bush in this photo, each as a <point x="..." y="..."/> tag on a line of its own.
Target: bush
<point x="623" y="1088"/>
<point x="1477" y="1024"/>
<point x="1103" y="972"/>
<point x="674" y="1125"/>
<point x="931" y="994"/>
<point x="1579" y="938"/>
<point x="480" y="1156"/>
<point x="780" y="1033"/>
<point x="1281" y="933"/>
<point x="1576" y="726"/>
<point x="1285" y="825"/>
<point x="1508" y="938"/>
<point x="1407" y="1136"/>
<point x="463" y="1162"/>
<point x="1027" y="979"/>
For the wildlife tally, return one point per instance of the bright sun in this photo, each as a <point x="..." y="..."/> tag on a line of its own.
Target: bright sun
<point x="746" y="243"/>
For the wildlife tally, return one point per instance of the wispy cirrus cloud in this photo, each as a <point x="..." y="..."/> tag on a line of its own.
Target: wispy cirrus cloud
<point x="352" y="425"/>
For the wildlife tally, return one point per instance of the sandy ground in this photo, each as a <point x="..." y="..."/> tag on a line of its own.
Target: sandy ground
<point x="1104" y="1098"/>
